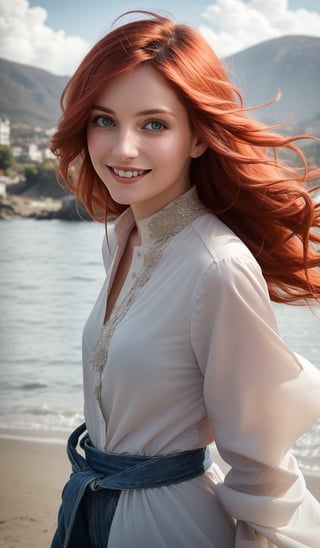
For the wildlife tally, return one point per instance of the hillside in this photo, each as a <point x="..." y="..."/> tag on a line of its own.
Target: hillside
<point x="289" y="63"/>
<point x="29" y="95"/>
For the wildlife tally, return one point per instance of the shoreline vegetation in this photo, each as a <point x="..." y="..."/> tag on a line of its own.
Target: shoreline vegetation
<point x="34" y="468"/>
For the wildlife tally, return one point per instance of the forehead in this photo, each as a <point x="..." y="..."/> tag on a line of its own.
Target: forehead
<point x="141" y="89"/>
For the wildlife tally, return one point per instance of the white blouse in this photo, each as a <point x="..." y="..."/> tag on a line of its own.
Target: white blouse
<point x="191" y="354"/>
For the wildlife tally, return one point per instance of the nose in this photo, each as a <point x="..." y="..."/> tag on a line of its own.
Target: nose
<point x="125" y="146"/>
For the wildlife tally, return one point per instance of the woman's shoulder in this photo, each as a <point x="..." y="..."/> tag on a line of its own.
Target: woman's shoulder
<point x="214" y="257"/>
<point x="219" y="241"/>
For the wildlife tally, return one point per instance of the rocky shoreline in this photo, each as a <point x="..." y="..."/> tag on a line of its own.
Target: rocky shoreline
<point x="21" y="206"/>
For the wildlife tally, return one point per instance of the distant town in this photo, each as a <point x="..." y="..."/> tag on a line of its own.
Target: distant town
<point x="27" y="144"/>
<point x="28" y="183"/>
<point x="19" y="148"/>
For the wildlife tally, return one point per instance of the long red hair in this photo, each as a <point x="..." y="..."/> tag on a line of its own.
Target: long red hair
<point x="240" y="177"/>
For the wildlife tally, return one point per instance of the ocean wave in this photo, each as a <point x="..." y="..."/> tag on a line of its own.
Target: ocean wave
<point x="45" y="410"/>
<point x="31" y="436"/>
<point x="42" y="420"/>
<point x="32" y="386"/>
<point x="78" y="278"/>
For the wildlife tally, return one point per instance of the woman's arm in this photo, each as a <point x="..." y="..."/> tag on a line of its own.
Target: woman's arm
<point x="260" y="398"/>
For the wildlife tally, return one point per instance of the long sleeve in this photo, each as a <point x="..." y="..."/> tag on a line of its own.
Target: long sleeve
<point x="260" y="397"/>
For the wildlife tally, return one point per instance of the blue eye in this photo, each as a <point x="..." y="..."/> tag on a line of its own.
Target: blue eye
<point x="155" y="125"/>
<point x="103" y="121"/>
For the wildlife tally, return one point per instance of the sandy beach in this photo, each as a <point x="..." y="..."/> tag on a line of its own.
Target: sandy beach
<point x="32" y="476"/>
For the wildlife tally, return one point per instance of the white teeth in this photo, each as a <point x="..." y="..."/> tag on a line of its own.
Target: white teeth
<point x="127" y="174"/>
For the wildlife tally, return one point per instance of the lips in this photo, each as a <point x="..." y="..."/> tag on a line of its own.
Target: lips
<point x="129" y="173"/>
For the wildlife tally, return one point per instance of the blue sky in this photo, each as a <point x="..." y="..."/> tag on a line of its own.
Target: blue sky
<point x="90" y="19"/>
<point x="55" y="35"/>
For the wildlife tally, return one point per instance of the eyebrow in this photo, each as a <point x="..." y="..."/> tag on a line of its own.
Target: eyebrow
<point x="146" y="112"/>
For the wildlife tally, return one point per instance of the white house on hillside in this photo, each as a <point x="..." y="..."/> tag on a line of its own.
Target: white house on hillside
<point x="4" y="131"/>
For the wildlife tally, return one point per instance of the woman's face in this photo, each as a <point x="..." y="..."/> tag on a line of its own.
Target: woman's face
<point x="140" y="142"/>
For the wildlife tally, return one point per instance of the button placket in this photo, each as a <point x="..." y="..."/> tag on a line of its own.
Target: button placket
<point x="157" y="233"/>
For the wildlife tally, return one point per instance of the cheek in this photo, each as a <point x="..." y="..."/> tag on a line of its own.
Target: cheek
<point x="97" y="142"/>
<point x="90" y="144"/>
<point x="93" y="143"/>
<point x="175" y="149"/>
<point x="95" y="152"/>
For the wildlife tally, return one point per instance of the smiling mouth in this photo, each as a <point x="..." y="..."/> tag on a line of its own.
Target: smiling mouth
<point x="128" y="173"/>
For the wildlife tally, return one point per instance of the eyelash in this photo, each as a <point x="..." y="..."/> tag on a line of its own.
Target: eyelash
<point x="164" y="126"/>
<point x="97" y="120"/>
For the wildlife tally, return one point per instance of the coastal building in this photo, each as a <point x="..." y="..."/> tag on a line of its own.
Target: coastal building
<point x="4" y="131"/>
<point x="34" y="153"/>
<point x="2" y="189"/>
<point x="28" y="152"/>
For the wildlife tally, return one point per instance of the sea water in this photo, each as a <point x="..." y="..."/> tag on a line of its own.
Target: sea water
<point x="51" y="273"/>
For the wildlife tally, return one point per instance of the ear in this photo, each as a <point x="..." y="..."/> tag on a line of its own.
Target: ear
<point x="197" y="149"/>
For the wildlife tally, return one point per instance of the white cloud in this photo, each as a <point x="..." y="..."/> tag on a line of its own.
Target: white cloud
<point x="232" y="26"/>
<point x="242" y="24"/>
<point x="25" y="38"/>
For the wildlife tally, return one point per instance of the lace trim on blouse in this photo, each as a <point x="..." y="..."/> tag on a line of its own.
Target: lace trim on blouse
<point x="162" y="227"/>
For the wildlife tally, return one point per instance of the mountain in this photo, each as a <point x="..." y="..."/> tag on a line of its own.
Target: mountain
<point x="29" y="95"/>
<point x="289" y="63"/>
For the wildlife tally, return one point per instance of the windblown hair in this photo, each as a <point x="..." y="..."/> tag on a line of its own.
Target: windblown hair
<point x="240" y="177"/>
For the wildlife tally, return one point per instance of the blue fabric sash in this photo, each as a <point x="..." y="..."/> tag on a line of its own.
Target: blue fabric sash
<point x="111" y="473"/>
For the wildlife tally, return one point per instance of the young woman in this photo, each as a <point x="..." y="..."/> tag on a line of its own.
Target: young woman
<point x="182" y="348"/>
